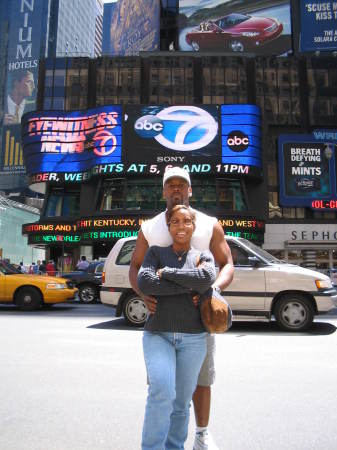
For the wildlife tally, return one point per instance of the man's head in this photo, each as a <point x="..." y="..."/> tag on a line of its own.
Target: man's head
<point x="176" y="187"/>
<point x="23" y="84"/>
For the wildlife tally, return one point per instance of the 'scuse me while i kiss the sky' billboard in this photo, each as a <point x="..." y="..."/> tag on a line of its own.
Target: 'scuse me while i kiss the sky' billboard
<point x="232" y="26"/>
<point x="318" y="25"/>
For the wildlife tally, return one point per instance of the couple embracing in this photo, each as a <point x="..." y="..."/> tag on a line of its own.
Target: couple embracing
<point x="172" y="269"/>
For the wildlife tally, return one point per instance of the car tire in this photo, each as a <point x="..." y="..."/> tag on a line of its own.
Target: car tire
<point x="236" y="46"/>
<point x="28" y="299"/>
<point x="87" y="293"/>
<point x="135" y="311"/>
<point x="195" y="46"/>
<point x="294" y="312"/>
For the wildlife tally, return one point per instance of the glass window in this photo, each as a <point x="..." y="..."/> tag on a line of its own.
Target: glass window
<point x="124" y="257"/>
<point x="240" y="257"/>
<point x="62" y="203"/>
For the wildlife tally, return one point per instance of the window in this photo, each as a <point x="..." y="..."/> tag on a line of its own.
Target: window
<point x="62" y="203"/>
<point x="240" y="257"/>
<point x="124" y="257"/>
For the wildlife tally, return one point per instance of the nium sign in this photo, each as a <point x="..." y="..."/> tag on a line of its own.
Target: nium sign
<point x="23" y="55"/>
<point x="307" y="168"/>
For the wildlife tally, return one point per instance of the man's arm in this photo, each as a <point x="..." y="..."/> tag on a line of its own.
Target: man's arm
<point x="222" y="256"/>
<point x="136" y="262"/>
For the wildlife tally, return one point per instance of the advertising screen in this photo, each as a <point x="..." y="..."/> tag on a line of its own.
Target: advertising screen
<point x="157" y="136"/>
<point x="307" y="170"/>
<point x="71" y="146"/>
<point x="241" y="139"/>
<point x="232" y="26"/>
<point x="131" y="26"/>
<point x="318" y="26"/>
<point x="22" y="73"/>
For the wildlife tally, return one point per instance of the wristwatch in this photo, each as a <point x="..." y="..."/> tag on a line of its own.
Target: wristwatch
<point x="217" y="289"/>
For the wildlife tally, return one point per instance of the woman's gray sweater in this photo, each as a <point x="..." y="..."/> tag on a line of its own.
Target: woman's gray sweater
<point x="179" y="281"/>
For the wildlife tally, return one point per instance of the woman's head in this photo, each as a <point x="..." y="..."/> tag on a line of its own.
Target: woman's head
<point x="181" y="224"/>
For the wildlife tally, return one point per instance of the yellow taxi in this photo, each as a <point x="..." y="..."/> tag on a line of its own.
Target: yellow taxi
<point x="31" y="292"/>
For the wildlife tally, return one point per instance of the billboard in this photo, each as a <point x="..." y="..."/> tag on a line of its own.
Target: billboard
<point x="232" y="26"/>
<point x="241" y="139"/>
<point x="70" y="146"/>
<point x="89" y="230"/>
<point x="307" y="170"/>
<point x="131" y="26"/>
<point x="61" y="146"/>
<point x="318" y="26"/>
<point x="24" y="41"/>
<point x="157" y="136"/>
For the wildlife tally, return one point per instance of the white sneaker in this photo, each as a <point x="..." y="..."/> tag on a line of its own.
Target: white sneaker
<point x="204" y="441"/>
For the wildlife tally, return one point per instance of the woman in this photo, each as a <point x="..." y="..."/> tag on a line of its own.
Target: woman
<point x="174" y="341"/>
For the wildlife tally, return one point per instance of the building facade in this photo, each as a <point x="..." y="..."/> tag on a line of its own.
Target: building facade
<point x="287" y="90"/>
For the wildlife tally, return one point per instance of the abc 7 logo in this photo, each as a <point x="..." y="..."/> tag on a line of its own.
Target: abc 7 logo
<point x="182" y="128"/>
<point x="237" y="141"/>
<point x="148" y="126"/>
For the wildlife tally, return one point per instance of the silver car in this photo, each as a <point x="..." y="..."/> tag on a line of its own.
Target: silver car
<point x="263" y="287"/>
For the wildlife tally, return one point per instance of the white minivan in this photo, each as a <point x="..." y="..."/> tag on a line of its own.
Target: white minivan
<point x="263" y="287"/>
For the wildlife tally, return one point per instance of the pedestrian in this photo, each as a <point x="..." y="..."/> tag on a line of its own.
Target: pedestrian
<point x="23" y="268"/>
<point x="208" y="235"/>
<point x="83" y="263"/>
<point x="50" y="268"/>
<point x="43" y="267"/>
<point x="175" y="340"/>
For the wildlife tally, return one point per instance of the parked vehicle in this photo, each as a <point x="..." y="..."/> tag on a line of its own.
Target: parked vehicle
<point x="332" y="273"/>
<point x="31" y="292"/>
<point x="87" y="281"/>
<point x="234" y="32"/>
<point x="263" y="287"/>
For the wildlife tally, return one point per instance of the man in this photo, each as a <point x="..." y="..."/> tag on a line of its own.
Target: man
<point x="207" y="235"/>
<point x="17" y="104"/>
<point x="83" y="263"/>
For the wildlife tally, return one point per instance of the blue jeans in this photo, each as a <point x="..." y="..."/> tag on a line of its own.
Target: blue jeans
<point x="173" y="362"/>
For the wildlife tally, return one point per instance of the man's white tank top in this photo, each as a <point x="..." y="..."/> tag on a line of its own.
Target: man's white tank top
<point x="156" y="231"/>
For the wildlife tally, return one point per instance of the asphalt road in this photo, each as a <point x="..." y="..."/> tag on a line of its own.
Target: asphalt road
<point x="72" y="377"/>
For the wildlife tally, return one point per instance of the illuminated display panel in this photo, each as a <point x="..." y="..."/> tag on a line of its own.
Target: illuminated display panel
<point x="241" y="139"/>
<point x="307" y="170"/>
<point x="172" y="135"/>
<point x="71" y="143"/>
<point x="73" y="146"/>
<point x="89" y="230"/>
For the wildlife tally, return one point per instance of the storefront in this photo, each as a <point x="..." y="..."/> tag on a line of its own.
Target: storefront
<point x="311" y="245"/>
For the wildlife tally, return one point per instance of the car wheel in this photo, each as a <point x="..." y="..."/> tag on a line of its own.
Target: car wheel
<point x="28" y="299"/>
<point x="87" y="293"/>
<point x="135" y="311"/>
<point x="195" y="46"/>
<point x="294" y="312"/>
<point x="236" y="46"/>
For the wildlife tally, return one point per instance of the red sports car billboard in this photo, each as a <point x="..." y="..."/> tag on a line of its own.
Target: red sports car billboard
<point x="222" y="25"/>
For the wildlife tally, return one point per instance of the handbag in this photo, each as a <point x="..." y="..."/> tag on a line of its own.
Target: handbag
<point x="216" y="314"/>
